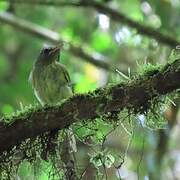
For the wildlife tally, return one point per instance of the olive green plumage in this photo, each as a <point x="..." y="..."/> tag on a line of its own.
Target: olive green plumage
<point x="51" y="83"/>
<point x="49" y="78"/>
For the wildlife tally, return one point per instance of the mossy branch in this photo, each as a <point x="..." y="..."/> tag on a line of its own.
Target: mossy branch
<point x="135" y="95"/>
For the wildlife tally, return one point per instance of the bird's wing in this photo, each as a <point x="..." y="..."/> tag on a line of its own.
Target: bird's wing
<point x="66" y="75"/>
<point x="62" y="69"/>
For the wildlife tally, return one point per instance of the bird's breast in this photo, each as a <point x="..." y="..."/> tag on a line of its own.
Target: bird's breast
<point x="49" y="86"/>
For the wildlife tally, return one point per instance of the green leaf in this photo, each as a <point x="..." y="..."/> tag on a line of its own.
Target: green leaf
<point x="101" y="158"/>
<point x="109" y="160"/>
<point x="96" y="159"/>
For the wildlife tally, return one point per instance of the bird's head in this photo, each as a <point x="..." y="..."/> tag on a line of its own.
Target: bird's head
<point x="49" y="55"/>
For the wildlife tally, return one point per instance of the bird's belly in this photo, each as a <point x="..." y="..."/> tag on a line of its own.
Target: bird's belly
<point x="52" y="93"/>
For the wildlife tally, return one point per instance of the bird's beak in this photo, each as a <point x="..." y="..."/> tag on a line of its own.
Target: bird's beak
<point x="55" y="53"/>
<point x="55" y="50"/>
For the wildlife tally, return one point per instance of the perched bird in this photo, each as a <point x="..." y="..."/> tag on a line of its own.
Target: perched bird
<point x="51" y="83"/>
<point x="49" y="78"/>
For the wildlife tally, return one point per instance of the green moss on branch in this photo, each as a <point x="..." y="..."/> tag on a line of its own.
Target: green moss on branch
<point x="135" y="95"/>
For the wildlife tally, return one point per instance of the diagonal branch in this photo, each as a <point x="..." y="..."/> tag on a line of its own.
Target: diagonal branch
<point x="114" y="15"/>
<point x="53" y="37"/>
<point x="134" y="95"/>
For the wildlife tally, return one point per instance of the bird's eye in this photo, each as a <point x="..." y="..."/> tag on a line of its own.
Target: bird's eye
<point x="46" y="50"/>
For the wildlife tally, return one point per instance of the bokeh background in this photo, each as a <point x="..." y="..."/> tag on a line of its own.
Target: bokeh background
<point x="153" y="152"/>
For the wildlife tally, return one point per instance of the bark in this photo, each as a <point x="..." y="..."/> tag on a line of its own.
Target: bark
<point x="135" y="95"/>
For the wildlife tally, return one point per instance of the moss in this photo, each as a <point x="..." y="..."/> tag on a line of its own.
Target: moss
<point x="31" y="151"/>
<point x="20" y="114"/>
<point x="148" y="69"/>
<point x="152" y="109"/>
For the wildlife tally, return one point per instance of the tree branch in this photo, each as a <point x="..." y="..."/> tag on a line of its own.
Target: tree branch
<point x="135" y="95"/>
<point x="114" y="15"/>
<point x="53" y="37"/>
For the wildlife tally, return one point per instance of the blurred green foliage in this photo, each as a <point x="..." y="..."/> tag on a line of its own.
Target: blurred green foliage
<point x="123" y="47"/>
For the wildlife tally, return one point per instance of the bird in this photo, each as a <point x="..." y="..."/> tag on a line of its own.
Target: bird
<point x="51" y="84"/>
<point x="50" y="78"/>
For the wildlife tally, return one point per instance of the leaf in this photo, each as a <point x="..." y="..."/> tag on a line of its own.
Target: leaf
<point x="102" y="158"/>
<point x="109" y="160"/>
<point x="97" y="159"/>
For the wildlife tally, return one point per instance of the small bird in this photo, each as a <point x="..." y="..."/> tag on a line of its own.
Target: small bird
<point x="49" y="78"/>
<point x="51" y="83"/>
